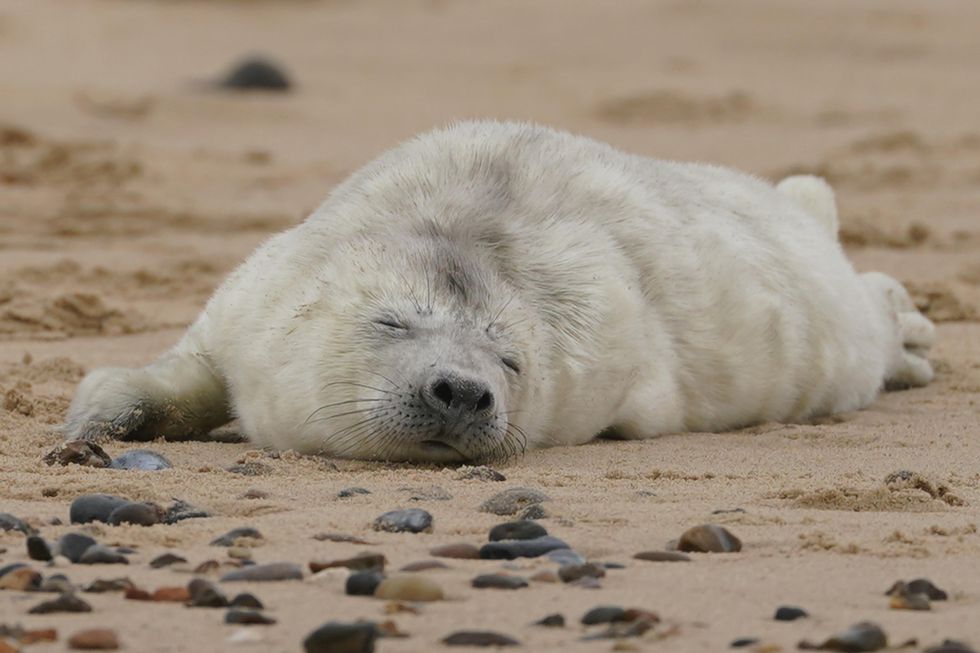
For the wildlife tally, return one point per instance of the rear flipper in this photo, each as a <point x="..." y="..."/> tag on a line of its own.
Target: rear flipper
<point x="910" y="367"/>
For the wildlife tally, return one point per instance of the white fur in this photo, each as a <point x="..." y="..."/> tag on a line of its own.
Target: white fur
<point x="640" y="295"/>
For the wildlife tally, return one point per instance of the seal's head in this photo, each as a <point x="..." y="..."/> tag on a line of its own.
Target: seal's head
<point x="427" y="352"/>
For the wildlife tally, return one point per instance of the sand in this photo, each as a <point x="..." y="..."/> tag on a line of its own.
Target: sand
<point x="128" y="189"/>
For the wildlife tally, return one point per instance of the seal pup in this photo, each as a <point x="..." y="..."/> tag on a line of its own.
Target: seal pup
<point x="491" y="287"/>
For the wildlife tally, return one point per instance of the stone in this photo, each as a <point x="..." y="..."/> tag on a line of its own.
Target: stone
<point x="430" y="493"/>
<point x="240" y="552"/>
<point x="137" y="594"/>
<point x="98" y="554"/>
<point x="38" y="548"/>
<point x="6" y="569"/>
<point x="480" y="473"/>
<point x="409" y="587"/>
<point x="10" y="523"/>
<point x="789" y="613"/>
<point x="662" y="556"/>
<point x="78" y="452"/>
<point x="511" y="501"/>
<point x="709" y="538"/>
<point x="511" y="549"/>
<point x="458" y="550"/>
<point x="545" y="576"/>
<point x="909" y="601"/>
<point x="950" y="646"/>
<point x="254" y="493"/>
<point x="337" y="637"/>
<point x="603" y="614"/>
<point x="231" y="537"/>
<point x="270" y="571"/>
<point x="109" y="585"/>
<point x="360" y="562"/>
<point x="742" y="642"/>
<point x="22" y="579"/>
<point x="340" y="537"/>
<point x="74" y="545"/>
<point x="565" y="557"/>
<point x="413" y="520"/>
<point x="348" y="492"/>
<point x="57" y="584"/>
<point x="94" y="507"/>
<point x="499" y="581"/>
<point x="248" y="617"/>
<point x="181" y="510"/>
<point x="517" y="530"/>
<point x="140" y="514"/>
<point x="535" y="511"/>
<point x="479" y="638"/>
<point x="246" y="600"/>
<point x="205" y="594"/>
<point x="919" y="586"/>
<point x="94" y="639"/>
<point x="166" y="559"/>
<point x="66" y="602"/>
<point x="572" y="573"/>
<point x="556" y="620"/>
<point x="142" y="460"/>
<point x="363" y="583"/>
<point x="256" y="74"/>
<point x="424" y="565"/>
<point x="171" y="594"/>
<point x="859" y="638"/>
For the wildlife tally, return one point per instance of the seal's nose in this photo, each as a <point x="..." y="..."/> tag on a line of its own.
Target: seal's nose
<point x="454" y="396"/>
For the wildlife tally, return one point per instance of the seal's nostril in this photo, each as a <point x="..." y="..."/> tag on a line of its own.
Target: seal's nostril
<point x="485" y="401"/>
<point x="443" y="392"/>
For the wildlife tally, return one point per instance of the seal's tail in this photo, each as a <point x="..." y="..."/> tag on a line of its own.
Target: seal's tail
<point x="815" y="196"/>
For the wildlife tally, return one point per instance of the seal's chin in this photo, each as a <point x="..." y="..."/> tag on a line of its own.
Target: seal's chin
<point x="441" y="451"/>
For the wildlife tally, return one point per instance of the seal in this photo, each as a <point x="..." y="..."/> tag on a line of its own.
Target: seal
<point x="492" y="287"/>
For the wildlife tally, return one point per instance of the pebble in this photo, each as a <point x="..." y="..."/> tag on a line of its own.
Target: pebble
<point x="859" y="638"/>
<point x="517" y="530"/>
<point x="78" y="452"/>
<point x="111" y="585"/>
<point x="22" y="579"/>
<point x="181" y="510"/>
<point x="6" y="569"/>
<point x="587" y="582"/>
<point x="94" y="639"/>
<point x="248" y="617"/>
<point x="431" y="493"/>
<point x="73" y="545"/>
<point x="140" y="514"/>
<point x="240" y="552"/>
<point x="413" y="520"/>
<point x="424" y="565"/>
<point x="499" y="581"/>
<point x="256" y="74"/>
<point x="709" y="538"/>
<point x="556" y="620"/>
<point x="348" y="492"/>
<point x="97" y="554"/>
<point x="360" y="562"/>
<point x="336" y="637"/>
<point x="94" y="507"/>
<point x="409" y="587"/>
<point x="142" y="460"/>
<point x="231" y="537"/>
<point x="38" y="548"/>
<point x="511" y="501"/>
<point x="789" y="613"/>
<point x="246" y="600"/>
<point x="137" y="594"/>
<point x="9" y="522"/>
<point x="909" y="601"/>
<point x="57" y="583"/>
<point x="205" y="594"/>
<point x="566" y="557"/>
<point x="340" y="537"/>
<point x="571" y="573"/>
<point x="919" y="586"/>
<point x="481" y="473"/>
<point x="458" y="550"/>
<point x="253" y="493"/>
<point x="545" y="576"/>
<point x="742" y="642"/>
<point x="950" y="646"/>
<point x="511" y="549"/>
<point x="66" y="602"/>
<point x="363" y="583"/>
<point x="603" y="614"/>
<point x="479" y="638"/>
<point x="165" y="560"/>
<point x="536" y="511"/>
<point x="171" y="594"/>
<point x="268" y="572"/>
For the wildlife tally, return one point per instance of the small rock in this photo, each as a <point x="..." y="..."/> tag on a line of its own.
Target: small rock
<point x="511" y="549"/>
<point x="98" y="554"/>
<point x="409" y="587"/>
<point x="248" y="617"/>
<point x="459" y="550"/>
<point x="231" y="537"/>
<point x="253" y="493"/>
<point x="860" y="638"/>
<point x="142" y="460"/>
<point x="22" y="579"/>
<point x="789" y="613"/>
<point x="246" y="600"/>
<point x="742" y="642"/>
<point x="10" y="523"/>
<point x="256" y="74"/>
<point x="74" y="545"/>
<point x="603" y="614"/>
<point x="94" y="639"/>
<point x="479" y="638"/>
<point x="363" y="583"/>
<point x="545" y="576"/>
<point x="556" y="620"/>
<point x="424" y="565"/>
<point x="517" y="530"/>
<point x="662" y="556"/>
<point x="919" y="586"/>
<point x="360" y="562"/>
<point x="94" y="507"/>
<point x="536" y="511"/>
<point x="205" y="594"/>
<point x="38" y="549"/>
<point x="165" y="560"/>
<point x="57" y="583"/>
<point x="348" y="492"/>
<point x="481" y="473"/>
<point x="78" y="452"/>
<point x="173" y="594"/>
<point x="111" y="585"/>
<point x="909" y="601"/>
<point x="181" y="510"/>
<point x="431" y="493"/>
<point x="340" y="537"/>
<point x="566" y="557"/>
<point x="140" y="514"/>
<point x="36" y="636"/>
<point x="239" y="553"/>
<point x="727" y="511"/>
<point x="510" y="501"/>
<point x="571" y="573"/>
<point x="709" y="538"/>
<point x="6" y="569"/>
<point x="413" y="520"/>
<point x="950" y="646"/>
<point x="499" y="581"/>
<point x="137" y="594"/>
<point x="336" y="637"/>
<point x="66" y="602"/>
<point x="268" y="572"/>
<point x="587" y="582"/>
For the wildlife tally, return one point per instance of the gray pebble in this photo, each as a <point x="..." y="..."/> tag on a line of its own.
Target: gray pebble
<point x="248" y="618"/>
<point x="511" y="549"/>
<point x="336" y="637"/>
<point x="517" y="530"/>
<point x="566" y="557"/>
<point x="142" y="460"/>
<point x="662" y="556"/>
<point x="479" y="638"/>
<point x="556" y="620"/>
<point x="919" y="586"/>
<point x="140" y="514"/>
<point x="256" y="74"/>
<point x="268" y="572"/>
<point x="348" y="492"/>
<point x="57" y="583"/>
<point x="535" y="511"/>
<point x="38" y="548"/>
<point x="229" y="538"/>
<point x="98" y="554"/>
<point x="205" y="594"/>
<point x="481" y="473"/>
<point x="94" y="507"/>
<point x="165" y="560"/>
<point x="73" y="545"/>
<point x="367" y="561"/>
<point x="789" y="613"/>
<point x="363" y="583"/>
<point x="10" y="523"/>
<point x="66" y="602"/>
<point x="859" y="638"/>
<point x="742" y="642"/>
<point x="181" y="510"/>
<point x="413" y="520"/>
<point x="246" y="600"/>
<point x="513" y="500"/>
<point x="603" y="614"/>
<point x="572" y="573"/>
<point x="499" y="581"/>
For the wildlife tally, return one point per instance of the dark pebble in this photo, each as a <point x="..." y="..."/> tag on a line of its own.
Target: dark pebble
<point x="511" y="549"/>
<point x="165" y="560"/>
<point x="270" y="571"/>
<point x="709" y="538"/>
<point x="859" y="638"/>
<point x="662" y="556"/>
<point x="256" y="74"/>
<point x="919" y="586"/>
<point x="481" y="473"/>
<point x="140" y="514"/>
<point x="950" y="646"/>
<point x="742" y="642"/>
<point x="536" y="511"/>
<point x="98" y="554"/>
<point x="336" y="637"/>
<point x="498" y="581"/>
<point x="479" y="638"/>
<point x="572" y="573"/>
<point x="348" y="492"/>
<point x="603" y="614"/>
<point x="458" y="550"/>
<point x="517" y="530"/>
<point x="424" y="565"/>
<point x="360" y="562"/>
<point x="789" y="613"/>
<point x="727" y="511"/>
<point x="181" y="510"/>
<point x="109" y="585"/>
<point x="58" y="583"/>
<point x="230" y="538"/>
<point x="74" y="545"/>
<point x="254" y="493"/>
<point x="248" y="618"/>
<point x="246" y="600"/>
<point x="205" y="594"/>
<point x="512" y="501"/>
<point x="556" y="620"/>
<point x="38" y="548"/>
<point x="78" y="452"/>
<point x="94" y="507"/>
<point x="413" y="520"/>
<point x="67" y="602"/>
<point x="141" y="460"/>
<point x="10" y="523"/>
<point x="363" y="583"/>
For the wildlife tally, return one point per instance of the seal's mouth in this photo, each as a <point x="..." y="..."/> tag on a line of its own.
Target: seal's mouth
<point x="442" y="449"/>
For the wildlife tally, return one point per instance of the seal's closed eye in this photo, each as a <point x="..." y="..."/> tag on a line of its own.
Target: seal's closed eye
<point x="391" y="324"/>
